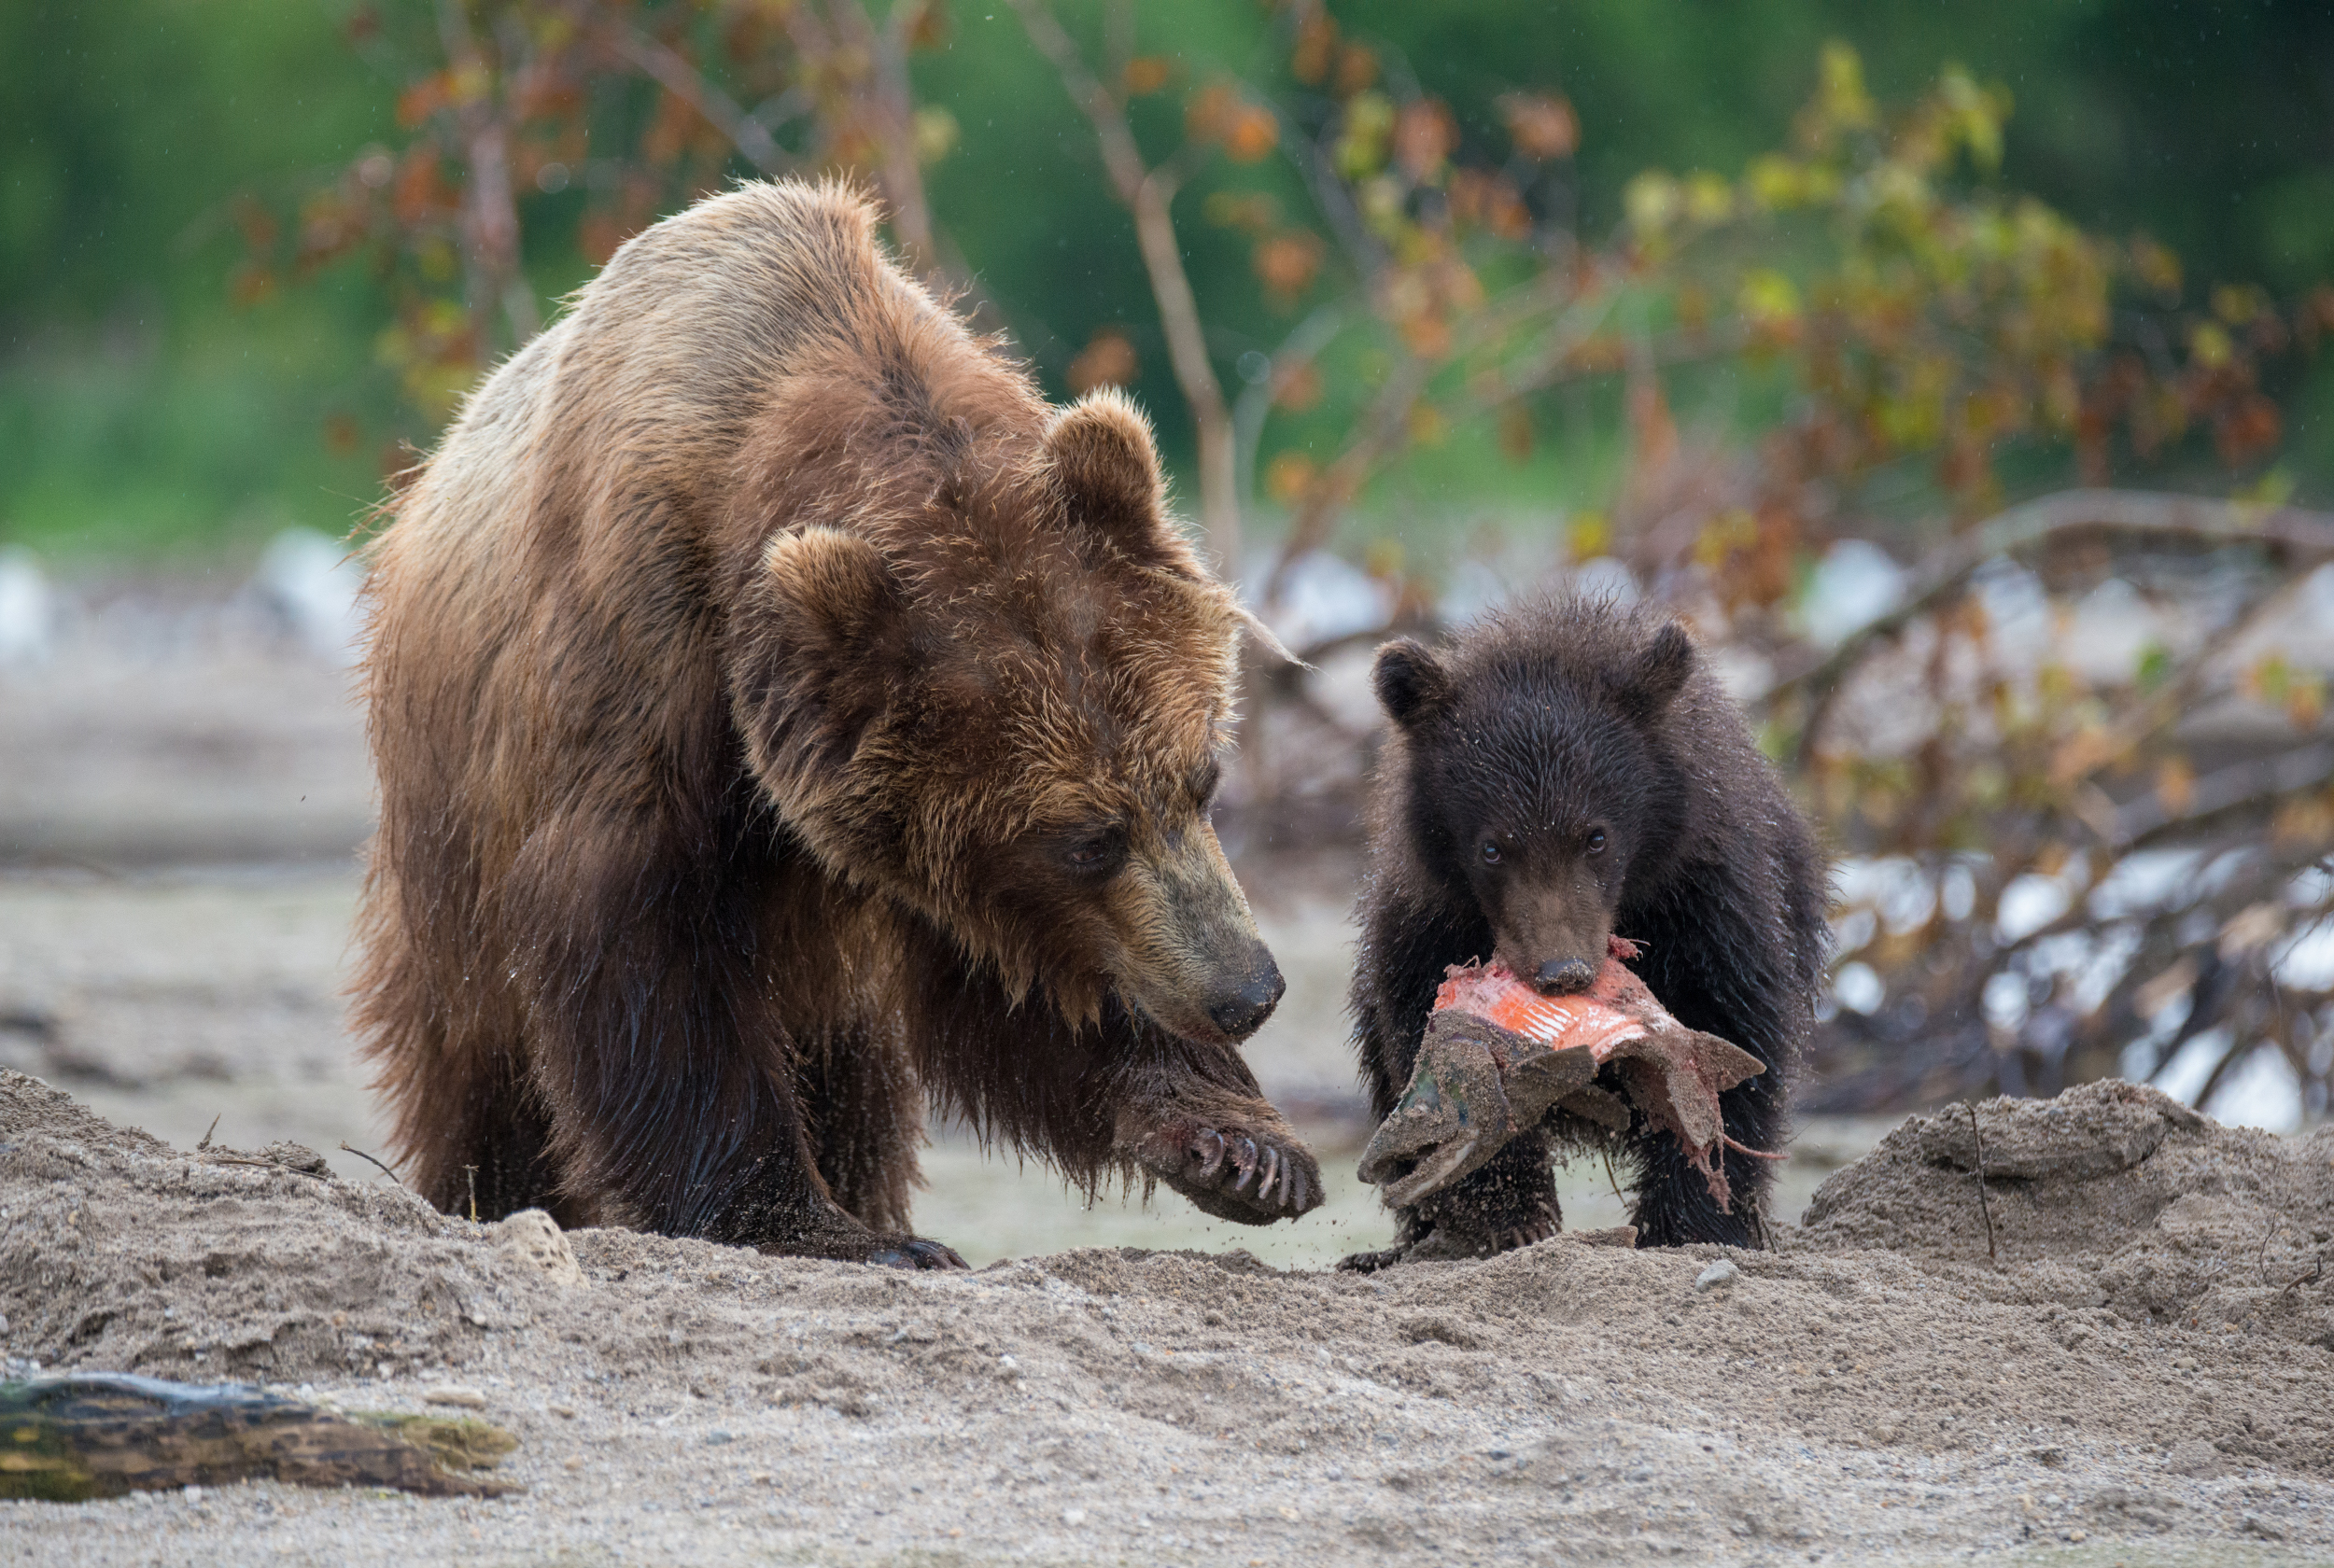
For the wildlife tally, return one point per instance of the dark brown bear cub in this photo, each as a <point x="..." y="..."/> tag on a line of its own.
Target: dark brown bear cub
<point x="1558" y="774"/>
<point x="783" y="715"/>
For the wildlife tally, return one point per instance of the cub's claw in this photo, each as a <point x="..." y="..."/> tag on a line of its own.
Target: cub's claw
<point x="917" y="1253"/>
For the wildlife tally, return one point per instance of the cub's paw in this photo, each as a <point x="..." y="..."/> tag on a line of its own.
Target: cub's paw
<point x="1449" y="1243"/>
<point x="911" y="1251"/>
<point x="1244" y="1174"/>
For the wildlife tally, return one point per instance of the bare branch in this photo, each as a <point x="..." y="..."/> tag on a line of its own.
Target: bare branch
<point x="1380" y="428"/>
<point x="888" y="111"/>
<point x="490" y="213"/>
<point x="685" y="81"/>
<point x="1148" y="194"/>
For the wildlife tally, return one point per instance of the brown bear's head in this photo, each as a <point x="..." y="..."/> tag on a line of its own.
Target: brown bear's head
<point x="1001" y="706"/>
<point x="1537" y="778"/>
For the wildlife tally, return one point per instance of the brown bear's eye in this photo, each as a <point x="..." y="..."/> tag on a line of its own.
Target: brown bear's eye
<point x="1092" y="856"/>
<point x="1491" y="853"/>
<point x="1595" y="840"/>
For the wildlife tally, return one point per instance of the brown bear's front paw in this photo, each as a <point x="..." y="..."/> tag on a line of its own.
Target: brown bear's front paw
<point x="1369" y="1263"/>
<point x="914" y="1253"/>
<point x="1251" y="1177"/>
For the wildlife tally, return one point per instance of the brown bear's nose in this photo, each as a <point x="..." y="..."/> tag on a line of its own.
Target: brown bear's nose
<point x="1242" y="1012"/>
<point x="1565" y="974"/>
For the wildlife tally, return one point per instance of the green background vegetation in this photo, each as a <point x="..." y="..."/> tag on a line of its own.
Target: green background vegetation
<point x="145" y="414"/>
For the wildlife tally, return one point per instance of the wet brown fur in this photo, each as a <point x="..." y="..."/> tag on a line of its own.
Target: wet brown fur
<point x="742" y="662"/>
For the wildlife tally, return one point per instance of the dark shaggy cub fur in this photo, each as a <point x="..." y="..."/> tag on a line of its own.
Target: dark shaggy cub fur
<point x="1557" y="774"/>
<point x="782" y="713"/>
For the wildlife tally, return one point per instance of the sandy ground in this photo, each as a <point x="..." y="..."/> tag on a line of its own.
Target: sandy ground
<point x="2145" y="1376"/>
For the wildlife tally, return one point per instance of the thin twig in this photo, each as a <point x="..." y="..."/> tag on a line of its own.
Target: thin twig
<point x="470" y="1173"/>
<point x="1985" y="1204"/>
<point x="267" y="1165"/>
<point x="1610" y="1180"/>
<point x="347" y="1147"/>
<point x="208" y="1131"/>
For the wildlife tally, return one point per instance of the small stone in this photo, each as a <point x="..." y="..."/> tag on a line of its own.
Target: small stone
<point x="717" y="1436"/>
<point x="1723" y="1272"/>
<point x="566" y="1411"/>
<point x="533" y="1240"/>
<point x="574" y="1461"/>
<point x="296" y="1156"/>
<point x="454" y="1393"/>
<point x="1074" y="1516"/>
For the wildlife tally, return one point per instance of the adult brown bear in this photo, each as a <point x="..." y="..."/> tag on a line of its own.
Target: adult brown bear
<point x="781" y="714"/>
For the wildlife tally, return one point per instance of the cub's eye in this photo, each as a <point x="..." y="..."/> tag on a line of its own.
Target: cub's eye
<point x="1491" y="853"/>
<point x="1595" y="840"/>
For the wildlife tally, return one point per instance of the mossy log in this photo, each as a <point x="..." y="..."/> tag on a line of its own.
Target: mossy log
<point x="68" y="1438"/>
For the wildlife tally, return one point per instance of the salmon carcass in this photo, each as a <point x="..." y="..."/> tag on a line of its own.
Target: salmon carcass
<point x="1498" y="1057"/>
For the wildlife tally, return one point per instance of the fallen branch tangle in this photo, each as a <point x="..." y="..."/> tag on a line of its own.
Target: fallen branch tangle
<point x="2305" y="538"/>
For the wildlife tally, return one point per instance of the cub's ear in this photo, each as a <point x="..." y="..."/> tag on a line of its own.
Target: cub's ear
<point x="1412" y="682"/>
<point x="1104" y="463"/>
<point x="830" y="636"/>
<point x="1659" y="672"/>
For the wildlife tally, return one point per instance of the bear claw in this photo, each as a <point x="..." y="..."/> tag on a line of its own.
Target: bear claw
<point x="1240" y="1176"/>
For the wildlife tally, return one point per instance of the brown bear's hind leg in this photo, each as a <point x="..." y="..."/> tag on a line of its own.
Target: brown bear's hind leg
<point x="866" y="1113"/>
<point x="479" y="1136"/>
<point x="660" y="1049"/>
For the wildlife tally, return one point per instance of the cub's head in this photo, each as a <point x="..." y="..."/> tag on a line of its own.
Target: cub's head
<point x="1536" y="779"/>
<point x="1003" y="707"/>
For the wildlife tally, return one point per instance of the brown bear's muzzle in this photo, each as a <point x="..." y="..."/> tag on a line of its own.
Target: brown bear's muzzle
<point x="1192" y="957"/>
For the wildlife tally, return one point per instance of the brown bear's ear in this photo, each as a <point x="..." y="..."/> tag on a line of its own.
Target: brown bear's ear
<point x="836" y="637"/>
<point x="1410" y="681"/>
<point x="1104" y="462"/>
<point x="1658" y="672"/>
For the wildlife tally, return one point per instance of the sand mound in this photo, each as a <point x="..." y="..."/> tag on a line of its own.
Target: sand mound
<point x="1874" y="1390"/>
<point x="2111" y="1195"/>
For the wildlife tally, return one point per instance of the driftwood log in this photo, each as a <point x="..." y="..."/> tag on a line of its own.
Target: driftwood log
<point x="69" y="1438"/>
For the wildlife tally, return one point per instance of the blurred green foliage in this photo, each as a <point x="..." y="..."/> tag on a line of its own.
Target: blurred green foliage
<point x="146" y="407"/>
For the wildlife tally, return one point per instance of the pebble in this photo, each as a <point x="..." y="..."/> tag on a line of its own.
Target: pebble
<point x="1723" y="1272"/>
<point x="454" y="1393"/>
<point x="1074" y="1516"/>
